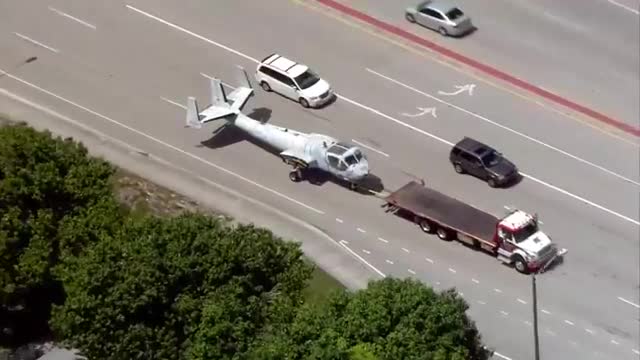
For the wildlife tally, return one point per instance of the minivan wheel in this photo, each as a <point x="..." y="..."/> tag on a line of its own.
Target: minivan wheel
<point x="304" y="103"/>
<point x="410" y="18"/>
<point x="458" y="168"/>
<point x="443" y="31"/>
<point x="265" y="86"/>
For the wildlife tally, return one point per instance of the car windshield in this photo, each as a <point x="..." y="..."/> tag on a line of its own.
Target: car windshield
<point x="307" y="79"/>
<point x="454" y="14"/>
<point x="525" y="232"/>
<point x="491" y="159"/>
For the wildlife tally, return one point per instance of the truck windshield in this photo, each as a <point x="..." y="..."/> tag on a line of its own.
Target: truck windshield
<point x="525" y="232"/>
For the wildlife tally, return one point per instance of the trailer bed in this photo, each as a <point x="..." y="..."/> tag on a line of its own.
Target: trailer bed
<point x="445" y="210"/>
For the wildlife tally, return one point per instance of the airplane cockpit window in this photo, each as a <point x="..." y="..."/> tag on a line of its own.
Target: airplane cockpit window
<point x="351" y="160"/>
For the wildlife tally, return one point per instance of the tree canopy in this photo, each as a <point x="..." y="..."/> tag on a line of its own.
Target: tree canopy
<point x="391" y="319"/>
<point x="165" y="288"/>
<point x="44" y="183"/>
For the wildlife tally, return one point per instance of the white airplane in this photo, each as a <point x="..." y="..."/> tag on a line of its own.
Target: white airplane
<point x="305" y="152"/>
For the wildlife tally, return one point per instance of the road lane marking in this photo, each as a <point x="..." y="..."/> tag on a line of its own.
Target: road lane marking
<point x="214" y="78"/>
<point x="411" y="271"/>
<point x="175" y="148"/>
<point x="475" y="281"/>
<point x="497" y="290"/>
<point x="379" y="113"/>
<point x="406" y="250"/>
<point x="614" y="342"/>
<point x="72" y="18"/>
<point x="370" y="148"/>
<point x="366" y="251"/>
<point x="504" y="313"/>
<point x="527" y="322"/>
<point x="636" y="351"/>
<point x="389" y="262"/>
<point x="339" y="220"/>
<point x="481" y="302"/>
<point x="628" y="302"/>
<point x="383" y="240"/>
<point x="546" y="312"/>
<point x="522" y="301"/>
<point x="174" y="103"/>
<point x="342" y="243"/>
<point x="550" y="333"/>
<point x="361" y="230"/>
<point x="628" y="8"/>
<point x="590" y="331"/>
<point x="429" y="260"/>
<point x="24" y="37"/>
<point x="569" y="322"/>
<point x="452" y="270"/>
<point x="487" y="120"/>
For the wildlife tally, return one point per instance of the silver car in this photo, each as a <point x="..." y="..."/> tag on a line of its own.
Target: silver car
<point x="440" y="15"/>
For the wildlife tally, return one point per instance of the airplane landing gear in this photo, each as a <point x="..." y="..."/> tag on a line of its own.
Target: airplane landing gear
<point x="296" y="175"/>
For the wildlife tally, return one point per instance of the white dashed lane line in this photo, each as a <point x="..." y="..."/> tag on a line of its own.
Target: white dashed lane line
<point x="411" y="271"/>
<point x="590" y="331"/>
<point x="383" y="240"/>
<point x="361" y="230"/>
<point x="406" y="250"/>
<point x="504" y="313"/>
<point x="569" y="322"/>
<point x="429" y="260"/>
<point x="366" y="252"/>
<point x="497" y="290"/>
<point x="522" y="301"/>
<point x="475" y="281"/>
<point x="452" y="270"/>
<point x="339" y="220"/>
<point x="389" y="262"/>
<point x="546" y="312"/>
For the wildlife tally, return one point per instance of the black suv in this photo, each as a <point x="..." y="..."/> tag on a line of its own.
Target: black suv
<point x="477" y="159"/>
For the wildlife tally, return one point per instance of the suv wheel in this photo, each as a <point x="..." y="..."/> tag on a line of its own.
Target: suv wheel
<point x="304" y="103"/>
<point x="265" y="86"/>
<point x="492" y="183"/>
<point x="458" y="168"/>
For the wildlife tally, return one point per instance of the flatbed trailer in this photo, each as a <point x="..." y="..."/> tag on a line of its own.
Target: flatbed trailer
<point x="514" y="239"/>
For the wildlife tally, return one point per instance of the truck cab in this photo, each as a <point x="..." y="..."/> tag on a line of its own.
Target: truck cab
<point x="521" y="242"/>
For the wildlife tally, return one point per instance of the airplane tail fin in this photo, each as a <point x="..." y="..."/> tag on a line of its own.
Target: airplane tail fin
<point x="222" y="106"/>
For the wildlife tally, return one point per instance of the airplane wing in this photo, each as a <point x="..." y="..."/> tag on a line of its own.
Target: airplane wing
<point x="296" y="158"/>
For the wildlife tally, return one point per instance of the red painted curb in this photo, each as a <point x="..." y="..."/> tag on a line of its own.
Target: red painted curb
<point x="479" y="66"/>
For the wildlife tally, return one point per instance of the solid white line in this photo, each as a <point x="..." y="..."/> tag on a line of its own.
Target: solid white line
<point x="504" y="127"/>
<point x="186" y="153"/>
<point x="24" y="37"/>
<point x="628" y="302"/>
<point x="628" y="8"/>
<point x="343" y="243"/>
<point x="383" y="240"/>
<point x="501" y="356"/>
<point x="222" y="82"/>
<point x="72" y="17"/>
<point x="370" y="148"/>
<point x="406" y="250"/>
<point x="569" y="322"/>
<point x="192" y="33"/>
<point x="174" y="103"/>
<point x="522" y="301"/>
<point x="377" y="112"/>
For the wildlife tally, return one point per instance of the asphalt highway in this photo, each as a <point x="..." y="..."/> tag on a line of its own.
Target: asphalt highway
<point x="126" y="69"/>
<point x="586" y="51"/>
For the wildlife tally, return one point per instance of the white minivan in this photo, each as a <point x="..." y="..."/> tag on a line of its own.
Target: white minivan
<point x="293" y="80"/>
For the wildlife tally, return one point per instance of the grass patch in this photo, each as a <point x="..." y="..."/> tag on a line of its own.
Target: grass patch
<point x="320" y="286"/>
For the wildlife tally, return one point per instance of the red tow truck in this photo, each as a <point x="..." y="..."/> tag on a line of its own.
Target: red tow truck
<point x="514" y="239"/>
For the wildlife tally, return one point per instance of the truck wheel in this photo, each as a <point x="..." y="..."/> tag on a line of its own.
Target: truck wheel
<point x="443" y="233"/>
<point x="520" y="264"/>
<point x="426" y="226"/>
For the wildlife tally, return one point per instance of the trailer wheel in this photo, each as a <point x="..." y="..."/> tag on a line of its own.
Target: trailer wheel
<point x="426" y="225"/>
<point x="520" y="264"/>
<point x="443" y="233"/>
